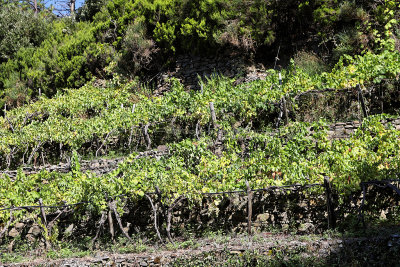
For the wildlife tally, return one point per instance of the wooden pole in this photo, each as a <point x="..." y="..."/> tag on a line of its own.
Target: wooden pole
<point x="146" y="135"/>
<point x="329" y="204"/>
<point x="213" y="117"/>
<point x="249" y="207"/>
<point x="42" y="211"/>
<point x="361" y="97"/>
<point x="284" y="107"/>
<point x="111" y="225"/>
<point x="48" y="244"/>
<point x="285" y="111"/>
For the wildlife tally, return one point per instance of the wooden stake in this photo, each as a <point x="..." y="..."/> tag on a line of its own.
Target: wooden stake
<point x="146" y="135"/>
<point x="113" y="207"/>
<point x="249" y="207"/>
<point x="42" y="211"/>
<point x="198" y="130"/>
<point x="48" y="244"/>
<point x="329" y="204"/>
<point x="285" y="111"/>
<point x="213" y="117"/>
<point x="361" y="209"/>
<point x="111" y="224"/>
<point x="361" y="97"/>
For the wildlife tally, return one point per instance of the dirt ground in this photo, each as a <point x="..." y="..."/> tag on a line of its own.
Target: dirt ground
<point x="375" y="248"/>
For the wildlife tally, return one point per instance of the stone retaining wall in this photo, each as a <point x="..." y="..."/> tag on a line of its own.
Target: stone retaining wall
<point x="189" y="68"/>
<point x="98" y="166"/>
<point x="346" y="129"/>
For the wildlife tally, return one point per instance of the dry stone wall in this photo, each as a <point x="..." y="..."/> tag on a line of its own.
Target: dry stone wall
<point x="346" y="129"/>
<point x="189" y="68"/>
<point x="98" y="166"/>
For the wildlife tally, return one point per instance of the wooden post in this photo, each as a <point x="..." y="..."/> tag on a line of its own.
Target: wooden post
<point x="146" y="135"/>
<point x="198" y="130"/>
<point x="47" y="241"/>
<point x="213" y="117"/>
<point x="285" y="111"/>
<point x="111" y="225"/>
<point x="131" y="131"/>
<point x="361" y="209"/>
<point x="361" y="98"/>
<point x="249" y="207"/>
<point x="42" y="211"/>
<point x="329" y="204"/>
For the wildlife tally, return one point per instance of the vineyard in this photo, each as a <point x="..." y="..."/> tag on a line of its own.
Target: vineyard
<point x="156" y="127"/>
<point x="226" y="137"/>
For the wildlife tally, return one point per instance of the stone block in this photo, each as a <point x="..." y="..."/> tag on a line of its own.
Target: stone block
<point x="13" y="233"/>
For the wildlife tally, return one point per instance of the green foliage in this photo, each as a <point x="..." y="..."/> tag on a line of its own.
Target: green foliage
<point x="137" y="51"/>
<point x="291" y="156"/>
<point x="20" y="28"/>
<point x="190" y="25"/>
<point x="67" y="58"/>
<point x="39" y="51"/>
<point x="80" y="116"/>
<point x="73" y="52"/>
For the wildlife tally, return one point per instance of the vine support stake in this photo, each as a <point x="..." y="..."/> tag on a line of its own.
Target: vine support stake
<point x="329" y="203"/>
<point x="361" y="209"/>
<point x="362" y="102"/>
<point x="198" y="130"/>
<point x="113" y="207"/>
<point x="285" y="111"/>
<point x="249" y="207"/>
<point x="111" y="225"/>
<point x="146" y="135"/>
<point x="213" y="117"/>
<point x="43" y="213"/>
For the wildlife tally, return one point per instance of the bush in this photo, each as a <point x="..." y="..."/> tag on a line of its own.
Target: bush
<point x="20" y="28"/>
<point x="136" y="51"/>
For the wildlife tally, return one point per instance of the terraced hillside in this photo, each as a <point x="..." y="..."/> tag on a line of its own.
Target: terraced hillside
<point x="231" y="136"/>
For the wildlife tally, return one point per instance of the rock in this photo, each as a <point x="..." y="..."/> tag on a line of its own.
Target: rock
<point x="162" y="148"/>
<point x="69" y="229"/>
<point x="263" y="217"/>
<point x="19" y="226"/>
<point x="34" y="230"/>
<point x="306" y="227"/>
<point x="13" y="233"/>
